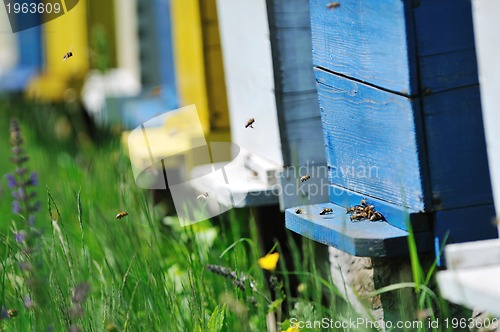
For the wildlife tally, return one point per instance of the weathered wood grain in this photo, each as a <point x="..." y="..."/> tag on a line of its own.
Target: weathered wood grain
<point x="371" y="140"/>
<point x="456" y="149"/>
<point x="367" y="40"/>
<point x="362" y="238"/>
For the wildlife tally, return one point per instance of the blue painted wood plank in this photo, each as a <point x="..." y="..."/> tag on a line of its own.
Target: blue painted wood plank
<point x="464" y="225"/>
<point x="361" y="238"/>
<point x="371" y="139"/>
<point x="457" y="149"/>
<point x="302" y="142"/>
<point x="299" y="106"/>
<point x="395" y="215"/>
<point x="163" y="35"/>
<point x="449" y="70"/>
<point x="367" y="40"/>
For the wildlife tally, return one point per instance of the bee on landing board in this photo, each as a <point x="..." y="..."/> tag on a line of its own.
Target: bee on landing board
<point x="121" y="215"/>
<point x="202" y="196"/>
<point x="305" y="178"/>
<point x="249" y="123"/>
<point x="326" y="211"/>
<point x="298" y="211"/>
<point x="67" y="56"/>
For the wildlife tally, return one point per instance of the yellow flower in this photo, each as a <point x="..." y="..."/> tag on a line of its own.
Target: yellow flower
<point x="268" y="262"/>
<point x="291" y="329"/>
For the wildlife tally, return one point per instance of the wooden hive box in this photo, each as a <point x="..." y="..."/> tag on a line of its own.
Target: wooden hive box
<point x="21" y="54"/>
<point x="195" y="77"/>
<point x="266" y="48"/>
<point x="400" y="106"/>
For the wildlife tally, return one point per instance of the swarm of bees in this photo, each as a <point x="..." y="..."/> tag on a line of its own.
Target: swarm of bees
<point x="333" y="5"/>
<point x="67" y="56"/>
<point x="249" y="123"/>
<point x="364" y="211"/>
<point x="202" y="196"/>
<point x="298" y="211"/>
<point x="326" y="211"/>
<point x="121" y="215"/>
<point x="305" y="178"/>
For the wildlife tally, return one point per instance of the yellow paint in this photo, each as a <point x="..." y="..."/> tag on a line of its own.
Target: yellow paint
<point x="65" y="33"/>
<point x="188" y="55"/>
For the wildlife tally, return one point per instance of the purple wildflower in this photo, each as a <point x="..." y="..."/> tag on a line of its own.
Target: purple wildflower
<point x="34" y="179"/>
<point x="80" y="292"/>
<point x="11" y="181"/>
<point x="16" y="208"/>
<point x="20" y="236"/>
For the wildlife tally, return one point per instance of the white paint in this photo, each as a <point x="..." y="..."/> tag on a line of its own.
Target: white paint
<point x="487" y="36"/>
<point x="473" y="254"/>
<point x="8" y="43"/>
<point x="246" y="48"/>
<point x="127" y="41"/>
<point x="475" y="288"/>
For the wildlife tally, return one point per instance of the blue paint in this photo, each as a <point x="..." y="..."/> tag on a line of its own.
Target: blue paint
<point x="295" y="86"/>
<point x="29" y="43"/>
<point x="361" y="238"/>
<point x="371" y="140"/>
<point x="437" y="250"/>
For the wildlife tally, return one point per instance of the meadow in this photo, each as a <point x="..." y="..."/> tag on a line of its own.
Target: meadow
<point x="67" y="264"/>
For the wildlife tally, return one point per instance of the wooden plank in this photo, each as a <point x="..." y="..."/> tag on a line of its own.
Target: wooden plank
<point x="214" y="67"/>
<point x="445" y="43"/>
<point x="456" y="148"/>
<point x="367" y="40"/>
<point x="473" y="254"/>
<point x="395" y="215"/>
<point x="456" y="225"/>
<point x="298" y="106"/>
<point x="238" y="189"/>
<point x="473" y="288"/>
<point x="303" y="142"/>
<point x="126" y="45"/>
<point x="66" y="33"/>
<point x="362" y="238"/>
<point x="487" y="38"/>
<point x="371" y="140"/>
<point x="290" y="31"/>
<point x="188" y="54"/>
<point x="248" y="67"/>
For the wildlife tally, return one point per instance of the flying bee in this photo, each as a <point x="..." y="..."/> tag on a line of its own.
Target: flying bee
<point x="121" y="215"/>
<point x="326" y="211"/>
<point x="333" y="5"/>
<point x="202" y="196"/>
<point x="298" y="211"/>
<point x="249" y="123"/>
<point x="67" y="56"/>
<point x="305" y="178"/>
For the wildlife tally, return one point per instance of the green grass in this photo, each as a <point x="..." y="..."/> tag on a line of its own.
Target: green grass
<point x="145" y="272"/>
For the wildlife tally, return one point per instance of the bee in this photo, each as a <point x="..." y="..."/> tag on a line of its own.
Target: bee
<point x="305" y="178"/>
<point x="67" y="56"/>
<point x="298" y="211"/>
<point x="333" y="5"/>
<point x="249" y="123"/>
<point x="363" y="202"/>
<point x="155" y="91"/>
<point x="326" y="211"/>
<point x="12" y="312"/>
<point x="377" y="216"/>
<point x="121" y="215"/>
<point x="202" y="196"/>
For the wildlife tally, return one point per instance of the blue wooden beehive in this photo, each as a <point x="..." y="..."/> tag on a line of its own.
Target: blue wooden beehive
<point x="400" y="106"/>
